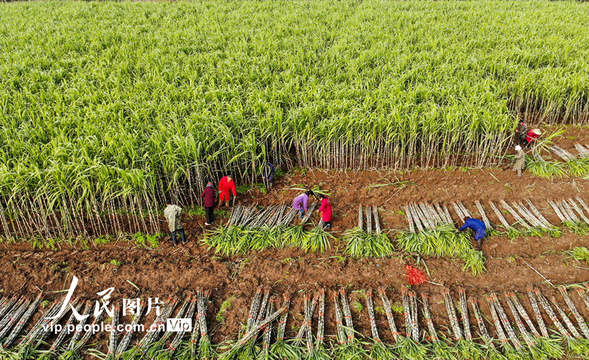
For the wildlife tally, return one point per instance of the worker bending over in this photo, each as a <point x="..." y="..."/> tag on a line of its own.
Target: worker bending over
<point x="478" y="227"/>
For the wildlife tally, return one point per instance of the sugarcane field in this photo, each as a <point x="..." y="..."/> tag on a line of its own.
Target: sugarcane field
<point x="291" y="180"/>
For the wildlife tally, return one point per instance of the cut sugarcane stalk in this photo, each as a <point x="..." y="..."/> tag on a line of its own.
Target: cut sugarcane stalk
<point x="360" y="214"/>
<point x="341" y="337"/>
<point x="452" y="314"/>
<point x="389" y="313"/>
<point x="499" y="215"/>
<point x="556" y="209"/>
<point x="415" y="323"/>
<point x="480" y="322"/>
<point x="376" y="220"/>
<point x="515" y="215"/>
<point x="538" y="214"/>
<point x="569" y="324"/>
<point x="505" y="321"/>
<point x="537" y="313"/>
<point x="522" y="312"/>
<point x="542" y="300"/>
<point x="483" y="214"/>
<point x="347" y="315"/>
<point x="254" y="309"/>
<point x="464" y="310"/>
<point x="371" y="317"/>
<point x="574" y="311"/>
<point x="321" y="320"/>
<point x="368" y="220"/>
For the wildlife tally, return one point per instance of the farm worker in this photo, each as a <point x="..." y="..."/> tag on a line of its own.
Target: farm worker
<point x="209" y="195"/>
<point x="532" y="136"/>
<point x="325" y="210"/>
<point x="522" y="131"/>
<point x="270" y="174"/>
<point x="478" y="227"/>
<point x="520" y="160"/>
<point x="226" y="186"/>
<point x="300" y="202"/>
<point x="172" y="214"/>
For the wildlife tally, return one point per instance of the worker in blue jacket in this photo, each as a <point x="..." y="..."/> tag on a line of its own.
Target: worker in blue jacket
<point x="478" y="227"/>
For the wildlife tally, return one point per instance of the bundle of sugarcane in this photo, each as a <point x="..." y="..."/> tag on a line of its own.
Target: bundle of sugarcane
<point x="281" y="348"/>
<point x="352" y="348"/>
<point x="539" y="347"/>
<point x="75" y="351"/>
<point x="235" y="351"/>
<point x="437" y="236"/>
<point x="490" y="351"/>
<point x="137" y="351"/>
<point x="576" y="166"/>
<point x="439" y="348"/>
<point x="205" y="348"/>
<point x="319" y="352"/>
<point x="571" y="305"/>
<point x="568" y="218"/>
<point x="582" y="150"/>
<point x="360" y="243"/>
<point x="528" y="229"/>
<point x="28" y="347"/>
<point x="55" y="348"/>
<point x="464" y="348"/>
<point x="408" y="345"/>
<point x="536" y="165"/>
<point x="539" y="227"/>
<point x="511" y="231"/>
<point x="378" y="349"/>
<point x="124" y="344"/>
<point x="305" y="331"/>
<point x="13" y="315"/>
<point x="267" y="335"/>
<point x="583" y="295"/>
<point x="249" y="350"/>
<point x="158" y="349"/>
<point x="510" y="350"/>
<point x="22" y="352"/>
<point x="575" y="344"/>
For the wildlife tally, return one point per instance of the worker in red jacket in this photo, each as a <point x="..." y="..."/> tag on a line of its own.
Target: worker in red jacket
<point x="209" y="195"/>
<point x="226" y="186"/>
<point x="325" y="210"/>
<point x="532" y="136"/>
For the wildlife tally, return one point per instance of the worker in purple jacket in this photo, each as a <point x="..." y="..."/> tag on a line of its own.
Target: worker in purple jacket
<point x="301" y="202"/>
<point x="477" y="226"/>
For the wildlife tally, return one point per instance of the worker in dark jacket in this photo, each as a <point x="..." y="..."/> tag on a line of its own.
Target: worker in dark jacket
<point x="478" y="227"/>
<point x="209" y="195"/>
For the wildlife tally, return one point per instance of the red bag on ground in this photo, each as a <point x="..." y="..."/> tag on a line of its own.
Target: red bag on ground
<point x="414" y="276"/>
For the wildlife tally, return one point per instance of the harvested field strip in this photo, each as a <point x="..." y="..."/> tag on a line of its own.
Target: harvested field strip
<point x="448" y="335"/>
<point x="431" y="229"/>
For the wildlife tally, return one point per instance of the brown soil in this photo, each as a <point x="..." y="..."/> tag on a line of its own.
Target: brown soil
<point x="175" y="271"/>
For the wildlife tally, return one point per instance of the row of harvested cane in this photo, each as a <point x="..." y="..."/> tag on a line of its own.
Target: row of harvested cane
<point x="511" y="330"/>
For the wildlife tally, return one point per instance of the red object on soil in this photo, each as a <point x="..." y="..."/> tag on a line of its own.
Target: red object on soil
<point x="414" y="276"/>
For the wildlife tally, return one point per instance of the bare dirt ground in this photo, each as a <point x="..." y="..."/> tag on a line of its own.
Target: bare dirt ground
<point x="175" y="271"/>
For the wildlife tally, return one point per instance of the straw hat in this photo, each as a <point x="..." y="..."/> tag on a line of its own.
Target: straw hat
<point x="537" y="131"/>
<point x="518" y="148"/>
